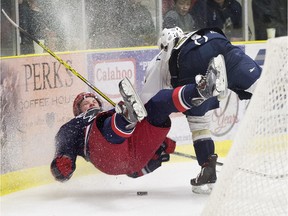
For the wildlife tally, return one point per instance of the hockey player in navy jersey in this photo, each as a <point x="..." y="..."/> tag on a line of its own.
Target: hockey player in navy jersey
<point x="130" y="139"/>
<point x="182" y="57"/>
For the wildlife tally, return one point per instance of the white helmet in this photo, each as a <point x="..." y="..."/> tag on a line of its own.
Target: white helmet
<point x="168" y="36"/>
<point x="166" y="41"/>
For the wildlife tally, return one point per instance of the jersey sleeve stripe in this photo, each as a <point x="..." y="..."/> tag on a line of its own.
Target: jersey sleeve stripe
<point x="120" y="132"/>
<point x="177" y="99"/>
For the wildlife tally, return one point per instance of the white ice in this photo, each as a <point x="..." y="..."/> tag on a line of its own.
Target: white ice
<point x="169" y="194"/>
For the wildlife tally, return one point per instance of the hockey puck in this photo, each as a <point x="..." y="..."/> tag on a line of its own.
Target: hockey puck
<point x="142" y="193"/>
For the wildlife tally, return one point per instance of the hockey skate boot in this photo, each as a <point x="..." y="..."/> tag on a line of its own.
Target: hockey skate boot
<point x="214" y="83"/>
<point x="133" y="109"/>
<point x="203" y="183"/>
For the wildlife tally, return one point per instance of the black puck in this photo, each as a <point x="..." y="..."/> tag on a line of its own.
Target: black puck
<point x="142" y="193"/>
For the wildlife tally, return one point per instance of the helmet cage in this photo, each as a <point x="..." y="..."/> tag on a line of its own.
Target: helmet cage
<point x="168" y="36"/>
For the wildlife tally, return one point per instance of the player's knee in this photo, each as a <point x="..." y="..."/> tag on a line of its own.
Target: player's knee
<point x="201" y="134"/>
<point x="200" y="126"/>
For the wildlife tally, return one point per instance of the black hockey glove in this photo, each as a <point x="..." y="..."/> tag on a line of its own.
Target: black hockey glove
<point x="152" y="165"/>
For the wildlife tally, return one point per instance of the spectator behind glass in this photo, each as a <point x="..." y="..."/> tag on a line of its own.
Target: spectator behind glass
<point x="226" y="15"/>
<point x="33" y="20"/>
<point x="135" y="24"/>
<point x="101" y="23"/>
<point x="167" y="5"/>
<point x="199" y="10"/>
<point x="119" y="23"/>
<point x="179" y="16"/>
<point x="269" y="14"/>
<point x="30" y="18"/>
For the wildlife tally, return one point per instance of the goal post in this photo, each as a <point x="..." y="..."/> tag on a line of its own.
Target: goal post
<point x="254" y="178"/>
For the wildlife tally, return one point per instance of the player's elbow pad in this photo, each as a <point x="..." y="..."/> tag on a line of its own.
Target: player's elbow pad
<point x="62" y="168"/>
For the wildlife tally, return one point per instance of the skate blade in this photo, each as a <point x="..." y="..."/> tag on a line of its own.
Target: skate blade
<point x="221" y="83"/>
<point x="140" y="112"/>
<point x="126" y="88"/>
<point x="132" y="97"/>
<point x="202" y="189"/>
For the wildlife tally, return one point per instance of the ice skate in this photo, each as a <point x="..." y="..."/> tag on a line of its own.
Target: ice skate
<point x="218" y="64"/>
<point x="214" y="83"/>
<point x="205" y="180"/>
<point x="132" y="109"/>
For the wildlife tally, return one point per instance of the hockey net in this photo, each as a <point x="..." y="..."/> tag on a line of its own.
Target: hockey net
<point x="254" y="178"/>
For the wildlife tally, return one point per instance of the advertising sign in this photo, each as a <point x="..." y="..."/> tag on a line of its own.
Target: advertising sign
<point x="36" y="97"/>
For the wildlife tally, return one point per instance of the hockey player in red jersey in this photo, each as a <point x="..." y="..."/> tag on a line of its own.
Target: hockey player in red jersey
<point x="130" y="139"/>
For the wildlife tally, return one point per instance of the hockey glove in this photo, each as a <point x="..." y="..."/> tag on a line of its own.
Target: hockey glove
<point x="62" y="168"/>
<point x="152" y="165"/>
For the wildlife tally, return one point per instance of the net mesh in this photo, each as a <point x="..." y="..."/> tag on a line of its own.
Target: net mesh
<point x="254" y="179"/>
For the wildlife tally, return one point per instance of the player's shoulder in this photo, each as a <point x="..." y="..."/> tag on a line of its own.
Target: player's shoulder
<point x="171" y="14"/>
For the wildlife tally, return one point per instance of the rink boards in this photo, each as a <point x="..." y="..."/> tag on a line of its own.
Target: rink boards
<point x="43" y="92"/>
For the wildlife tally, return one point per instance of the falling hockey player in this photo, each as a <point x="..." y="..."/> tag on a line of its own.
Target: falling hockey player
<point x="130" y="139"/>
<point x="181" y="59"/>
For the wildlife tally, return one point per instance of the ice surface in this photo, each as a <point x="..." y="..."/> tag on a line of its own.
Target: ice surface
<point x="169" y="194"/>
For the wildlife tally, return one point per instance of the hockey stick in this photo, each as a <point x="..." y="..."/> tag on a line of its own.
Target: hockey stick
<point x="58" y="59"/>
<point x="192" y="157"/>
